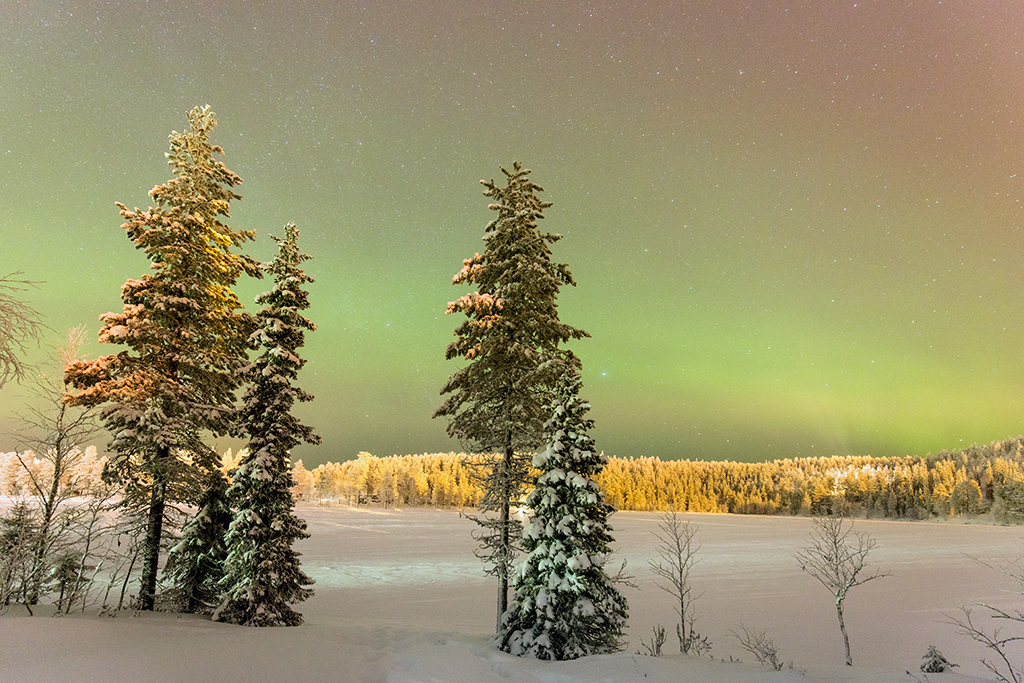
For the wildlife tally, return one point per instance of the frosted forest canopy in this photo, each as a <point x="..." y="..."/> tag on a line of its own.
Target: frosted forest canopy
<point x="977" y="481"/>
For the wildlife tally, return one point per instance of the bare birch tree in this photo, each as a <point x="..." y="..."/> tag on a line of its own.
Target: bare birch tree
<point x="677" y="551"/>
<point x="836" y="557"/>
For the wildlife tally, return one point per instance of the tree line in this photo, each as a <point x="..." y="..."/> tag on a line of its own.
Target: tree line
<point x="82" y="476"/>
<point x="979" y="480"/>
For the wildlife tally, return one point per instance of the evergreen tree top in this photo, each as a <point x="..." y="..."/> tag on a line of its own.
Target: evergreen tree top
<point x="197" y="173"/>
<point x="285" y="265"/>
<point x="518" y="199"/>
<point x="181" y="322"/>
<point x="280" y="333"/>
<point x="186" y="223"/>
<point x="512" y="335"/>
<point x="283" y="303"/>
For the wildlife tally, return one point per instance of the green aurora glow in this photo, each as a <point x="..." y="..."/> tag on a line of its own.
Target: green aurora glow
<point x="796" y="230"/>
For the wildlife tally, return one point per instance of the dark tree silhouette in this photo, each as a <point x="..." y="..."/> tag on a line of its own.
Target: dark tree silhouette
<point x="19" y="326"/>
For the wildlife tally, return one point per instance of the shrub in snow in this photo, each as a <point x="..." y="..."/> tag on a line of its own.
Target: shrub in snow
<point x="19" y="533"/>
<point x="760" y="645"/>
<point x="565" y="605"/>
<point x="653" y="649"/>
<point x="935" y="663"/>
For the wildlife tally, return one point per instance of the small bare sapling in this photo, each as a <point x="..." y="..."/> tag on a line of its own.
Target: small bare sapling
<point x="677" y="551"/>
<point x="653" y="649"/>
<point x="837" y="558"/>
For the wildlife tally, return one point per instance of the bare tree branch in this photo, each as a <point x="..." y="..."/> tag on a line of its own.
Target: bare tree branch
<point x="994" y="640"/>
<point x="19" y="326"/>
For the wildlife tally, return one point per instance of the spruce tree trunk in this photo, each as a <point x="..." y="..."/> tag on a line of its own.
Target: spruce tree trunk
<point x="154" y="532"/>
<point x="503" y="520"/>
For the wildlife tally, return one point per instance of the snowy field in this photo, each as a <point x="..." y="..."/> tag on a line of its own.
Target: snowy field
<point x="400" y="598"/>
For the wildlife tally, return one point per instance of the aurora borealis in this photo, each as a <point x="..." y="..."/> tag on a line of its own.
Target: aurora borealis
<point x="795" y="227"/>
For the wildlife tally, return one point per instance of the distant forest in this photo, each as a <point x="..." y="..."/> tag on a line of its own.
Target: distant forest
<point x="983" y="481"/>
<point x="980" y="481"/>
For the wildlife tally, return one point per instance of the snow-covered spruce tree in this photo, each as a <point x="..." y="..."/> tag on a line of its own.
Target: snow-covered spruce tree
<point x="499" y="400"/>
<point x="565" y="605"/>
<point x="187" y="340"/>
<point x="262" y="572"/>
<point x="195" y="564"/>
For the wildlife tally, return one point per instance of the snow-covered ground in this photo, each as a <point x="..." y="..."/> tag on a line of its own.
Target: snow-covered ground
<point x="400" y="598"/>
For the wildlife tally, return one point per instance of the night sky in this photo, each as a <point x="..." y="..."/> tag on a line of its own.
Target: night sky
<point x="796" y="227"/>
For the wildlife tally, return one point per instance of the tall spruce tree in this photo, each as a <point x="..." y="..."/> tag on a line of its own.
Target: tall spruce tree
<point x="186" y="339"/>
<point x="565" y="605"/>
<point x="262" y="572"/>
<point x="511" y="338"/>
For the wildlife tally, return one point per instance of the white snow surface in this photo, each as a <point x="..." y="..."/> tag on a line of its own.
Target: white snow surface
<point x="400" y="598"/>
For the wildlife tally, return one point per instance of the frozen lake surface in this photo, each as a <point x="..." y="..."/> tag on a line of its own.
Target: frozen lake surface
<point x="400" y="597"/>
